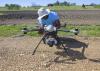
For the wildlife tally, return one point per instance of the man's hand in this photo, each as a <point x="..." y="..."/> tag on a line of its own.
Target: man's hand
<point x="40" y="31"/>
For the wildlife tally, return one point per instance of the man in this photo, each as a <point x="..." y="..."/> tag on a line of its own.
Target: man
<point x="47" y="17"/>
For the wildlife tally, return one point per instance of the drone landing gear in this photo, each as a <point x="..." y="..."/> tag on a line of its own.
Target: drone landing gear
<point x="38" y="45"/>
<point x="59" y="43"/>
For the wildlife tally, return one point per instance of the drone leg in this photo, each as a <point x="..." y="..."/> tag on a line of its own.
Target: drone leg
<point x="64" y="47"/>
<point x="38" y="45"/>
<point x="59" y="42"/>
<point x="44" y="39"/>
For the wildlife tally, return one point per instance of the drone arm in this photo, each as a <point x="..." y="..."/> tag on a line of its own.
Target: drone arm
<point x="63" y="30"/>
<point x="76" y="31"/>
<point x="25" y="30"/>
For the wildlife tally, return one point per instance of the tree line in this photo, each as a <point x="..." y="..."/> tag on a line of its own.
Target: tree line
<point x="65" y="3"/>
<point x="12" y="6"/>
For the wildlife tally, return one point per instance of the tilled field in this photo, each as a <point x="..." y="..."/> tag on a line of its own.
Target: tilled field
<point x="72" y="17"/>
<point x="81" y="17"/>
<point x="16" y="55"/>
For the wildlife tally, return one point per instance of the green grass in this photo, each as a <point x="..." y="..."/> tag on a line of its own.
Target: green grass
<point x="10" y="30"/>
<point x="97" y="6"/>
<point x="1" y="13"/>
<point x="85" y="30"/>
<point x="21" y="9"/>
<point x="72" y="8"/>
<point x="53" y="8"/>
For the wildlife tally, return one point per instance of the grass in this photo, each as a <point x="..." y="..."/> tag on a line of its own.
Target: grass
<point x="86" y="30"/>
<point x="97" y="6"/>
<point x="52" y="8"/>
<point x="72" y="8"/>
<point x="10" y="30"/>
<point x="1" y="13"/>
<point x="21" y="9"/>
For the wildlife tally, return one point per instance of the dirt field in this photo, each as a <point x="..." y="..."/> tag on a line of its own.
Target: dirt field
<point x="16" y="55"/>
<point x="71" y="16"/>
<point x="81" y="16"/>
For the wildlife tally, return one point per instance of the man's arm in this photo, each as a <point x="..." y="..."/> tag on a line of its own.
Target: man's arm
<point x="57" y="23"/>
<point x="40" y="27"/>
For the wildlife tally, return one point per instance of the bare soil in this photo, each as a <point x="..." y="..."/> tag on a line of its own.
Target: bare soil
<point x="16" y="55"/>
<point x="71" y="16"/>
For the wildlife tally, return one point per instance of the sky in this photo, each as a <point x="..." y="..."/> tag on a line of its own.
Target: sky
<point x="45" y="2"/>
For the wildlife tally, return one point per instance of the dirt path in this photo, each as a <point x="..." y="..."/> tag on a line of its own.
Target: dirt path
<point x="16" y="55"/>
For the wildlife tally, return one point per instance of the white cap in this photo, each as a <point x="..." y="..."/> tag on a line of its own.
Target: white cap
<point x="43" y="12"/>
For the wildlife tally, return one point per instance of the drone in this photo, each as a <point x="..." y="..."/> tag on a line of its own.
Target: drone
<point x="50" y="36"/>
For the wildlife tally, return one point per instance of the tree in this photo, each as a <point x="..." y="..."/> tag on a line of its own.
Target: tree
<point x="12" y="6"/>
<point x="92" y="4"/>
<point x="6" y="5"/>
<point x="50" y="4"/>
<point x="17" y="7"/>
<point x="66" y="3"/>
<point x="57" y="2"/>
<point x="83" y="6"/>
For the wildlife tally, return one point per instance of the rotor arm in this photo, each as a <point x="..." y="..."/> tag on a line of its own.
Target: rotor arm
<point x="75" y="31"/>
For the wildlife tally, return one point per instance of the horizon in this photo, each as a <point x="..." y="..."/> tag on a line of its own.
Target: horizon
<point x="45" y="2"/>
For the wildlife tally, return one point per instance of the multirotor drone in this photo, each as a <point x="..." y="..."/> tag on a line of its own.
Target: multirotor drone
<point x="50" y="36"/>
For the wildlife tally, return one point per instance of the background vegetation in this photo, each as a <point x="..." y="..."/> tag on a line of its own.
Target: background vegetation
<point x="85" y="30"/>
<point x="55" y="6"/>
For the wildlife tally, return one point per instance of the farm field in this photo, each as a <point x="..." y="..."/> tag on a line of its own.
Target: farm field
<point x="16" y="51"/>
<point x="70" y="16"/>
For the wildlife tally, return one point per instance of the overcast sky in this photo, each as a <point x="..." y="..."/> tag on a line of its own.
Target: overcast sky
<point x="45" y="2"/>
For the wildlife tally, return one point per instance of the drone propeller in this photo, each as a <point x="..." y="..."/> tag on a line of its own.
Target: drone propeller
<point x="24" y="30"/>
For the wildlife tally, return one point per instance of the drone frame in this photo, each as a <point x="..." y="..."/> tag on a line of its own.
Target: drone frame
<point x="25" y="30"/>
